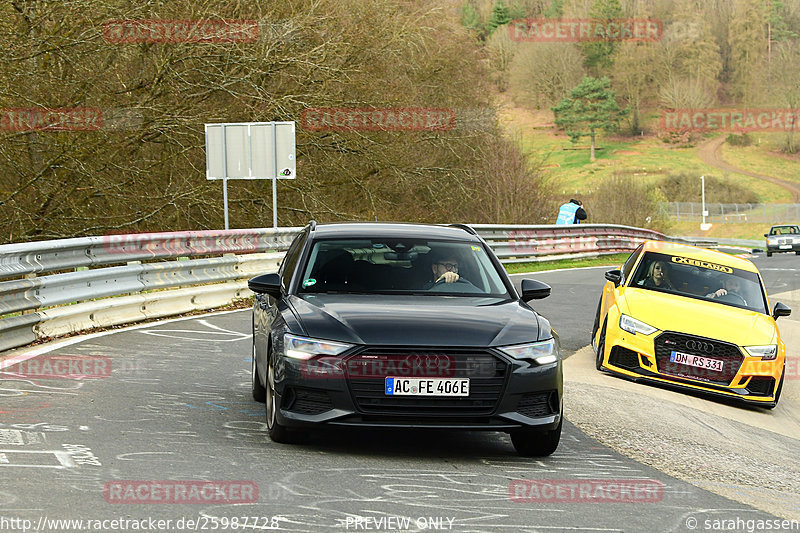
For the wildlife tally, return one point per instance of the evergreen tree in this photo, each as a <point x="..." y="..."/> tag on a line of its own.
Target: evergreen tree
<point x="470" y="17"/>
<point x="590" y="106"/>
<point x="778" y="29"/>
<point x="500" y="15"/>
<point x="598" y="53"/>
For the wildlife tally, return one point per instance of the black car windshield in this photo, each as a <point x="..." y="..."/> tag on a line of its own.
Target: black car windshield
<point x="399" y="266"/>
<point x="700" y="279"/>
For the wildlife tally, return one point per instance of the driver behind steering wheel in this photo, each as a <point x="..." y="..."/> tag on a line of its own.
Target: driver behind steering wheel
<point x="730" y="284"/>
<point x="445" y="270"/>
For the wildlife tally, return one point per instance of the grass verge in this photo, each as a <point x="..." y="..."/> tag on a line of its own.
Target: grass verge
<point x="604" y="260"/>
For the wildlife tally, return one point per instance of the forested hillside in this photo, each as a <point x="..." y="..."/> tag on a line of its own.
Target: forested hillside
<point x="129" y="156"/>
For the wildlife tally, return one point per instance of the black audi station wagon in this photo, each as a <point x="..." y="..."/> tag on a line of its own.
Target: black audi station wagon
<point x="404" y="326"/>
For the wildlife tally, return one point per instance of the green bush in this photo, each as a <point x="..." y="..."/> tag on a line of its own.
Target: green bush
<point x="739" y="140"/>
<point x="686" y="187"/>
<point x="627" y="200"/>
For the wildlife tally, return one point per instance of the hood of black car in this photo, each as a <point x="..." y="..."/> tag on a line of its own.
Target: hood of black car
<point x="418" y="321"/>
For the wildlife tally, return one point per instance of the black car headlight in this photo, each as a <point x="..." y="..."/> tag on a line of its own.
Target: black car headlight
<point x="542" y="352"/>
<point x="304" y="348"/>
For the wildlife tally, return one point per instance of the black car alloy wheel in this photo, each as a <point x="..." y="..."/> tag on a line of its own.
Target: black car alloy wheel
<point x="259" y="393"/>
<point x="277" y="432"/>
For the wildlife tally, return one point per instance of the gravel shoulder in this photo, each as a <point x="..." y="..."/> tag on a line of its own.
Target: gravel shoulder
<point x="746" y="454"/>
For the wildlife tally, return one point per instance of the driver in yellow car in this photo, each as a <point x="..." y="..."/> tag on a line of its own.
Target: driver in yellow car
<point x="730" y="284"/>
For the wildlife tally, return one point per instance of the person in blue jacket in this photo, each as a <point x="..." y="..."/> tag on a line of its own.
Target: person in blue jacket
<point x="571" y="212"/>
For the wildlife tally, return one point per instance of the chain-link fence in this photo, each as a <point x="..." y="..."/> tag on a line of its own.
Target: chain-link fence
<point x="732" y="213"/>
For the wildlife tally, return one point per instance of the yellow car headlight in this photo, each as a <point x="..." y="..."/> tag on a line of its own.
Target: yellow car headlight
<point x="631" y="325"/>
<point x="767" y="352"/>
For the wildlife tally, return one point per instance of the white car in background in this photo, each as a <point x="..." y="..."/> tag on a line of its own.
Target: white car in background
<point x="783" y="238"/>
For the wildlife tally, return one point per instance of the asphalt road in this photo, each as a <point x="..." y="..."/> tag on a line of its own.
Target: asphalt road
<point x="176" y="406"/>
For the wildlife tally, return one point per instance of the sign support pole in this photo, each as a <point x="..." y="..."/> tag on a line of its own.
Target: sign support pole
<point x="274" y="178"/>
<point x="224" y="179"/>
<point x="225" y="199"/>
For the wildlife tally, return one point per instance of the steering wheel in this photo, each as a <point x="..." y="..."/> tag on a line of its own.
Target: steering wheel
<point x="459" y="280"/>
<point x="732" y="298"/>
<point x="464" y="285"/>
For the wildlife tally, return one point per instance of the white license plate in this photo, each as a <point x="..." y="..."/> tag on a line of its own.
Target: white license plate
<point x="784" y="246"/>
<point x="696" y="361"/>
<point x="427" y="386"/>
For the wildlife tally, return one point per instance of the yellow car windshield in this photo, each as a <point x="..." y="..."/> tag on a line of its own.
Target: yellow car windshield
<point x="700" y="279"/>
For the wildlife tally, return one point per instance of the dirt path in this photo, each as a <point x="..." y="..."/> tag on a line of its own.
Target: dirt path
<point x="711" y="153"/>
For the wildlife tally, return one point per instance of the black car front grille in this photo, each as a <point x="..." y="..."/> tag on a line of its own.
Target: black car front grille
<point x="624" y="358"/>
<point x="538" y="404"/>
<point x="761" y="386"/>
<point x="728" y="353"/>
<point x="487" y="376"/>
<point x="309" y="402"/>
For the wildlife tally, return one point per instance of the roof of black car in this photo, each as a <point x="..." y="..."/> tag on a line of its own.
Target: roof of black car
<point x="396" y="229"/>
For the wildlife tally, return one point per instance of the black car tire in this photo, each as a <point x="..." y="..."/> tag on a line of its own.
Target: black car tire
<point x="259" y="392"/>
<point x="778" y="392"/>
<point x="769" y="254"/>
<point x="596" y="324"/>
<point x="536" y="443"/>
<point x="601" y="347"/>
<point x="277" y="432"/>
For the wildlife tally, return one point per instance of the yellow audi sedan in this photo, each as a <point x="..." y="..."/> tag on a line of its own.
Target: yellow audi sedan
<point x="693" y="318"/>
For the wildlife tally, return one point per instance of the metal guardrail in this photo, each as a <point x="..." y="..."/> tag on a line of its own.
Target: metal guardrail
<point x="718" y="213"/>
<point x="119" y="279"/>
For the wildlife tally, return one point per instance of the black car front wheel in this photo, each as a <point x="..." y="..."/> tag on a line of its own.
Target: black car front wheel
<point x="259" y="392"/>
<point x="277" y="432"/>
<point x="535" y="443"/>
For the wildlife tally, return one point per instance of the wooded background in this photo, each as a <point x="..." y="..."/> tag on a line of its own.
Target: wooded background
<point x="143" y="169"/>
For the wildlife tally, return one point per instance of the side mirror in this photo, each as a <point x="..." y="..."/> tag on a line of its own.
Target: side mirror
<point x="766" y="235"/>
<point x="781" y="310"/>
<point x="614" y="276"/>
<point x="534" y="290"/>
<point x="266" y="284"/>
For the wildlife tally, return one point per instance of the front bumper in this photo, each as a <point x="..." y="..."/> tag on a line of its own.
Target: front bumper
<point x="645" y="359"/>
<point x="774" y="248"/>
<point x="505" y="395"/>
